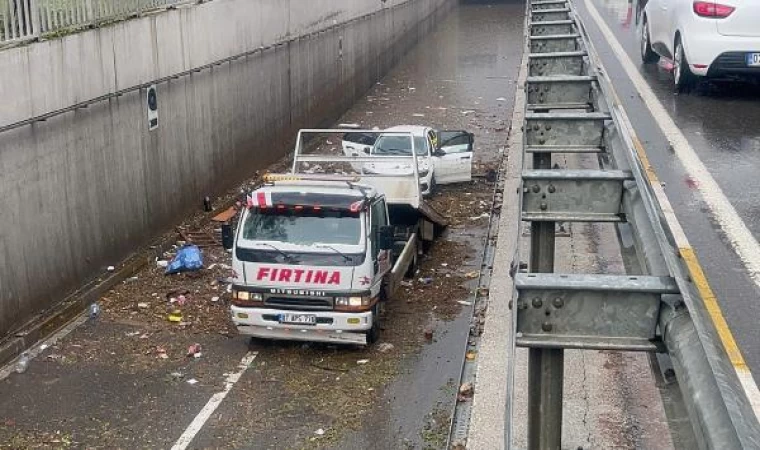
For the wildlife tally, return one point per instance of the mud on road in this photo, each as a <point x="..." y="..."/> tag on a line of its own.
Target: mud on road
<point x="125" y="380"/>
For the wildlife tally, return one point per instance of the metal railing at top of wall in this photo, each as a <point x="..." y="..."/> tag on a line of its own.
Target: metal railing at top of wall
<point x="27" y="20"/>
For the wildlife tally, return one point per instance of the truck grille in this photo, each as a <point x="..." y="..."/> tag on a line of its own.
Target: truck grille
<point x="303" y="303"/>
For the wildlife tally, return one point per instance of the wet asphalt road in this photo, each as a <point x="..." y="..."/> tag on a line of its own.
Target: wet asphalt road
<point x="104" y="387"/>
<point x="721" y="121"/>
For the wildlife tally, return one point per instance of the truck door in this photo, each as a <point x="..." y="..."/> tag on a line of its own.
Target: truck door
<point x="453" y="157"/>
<point x="378" y="219"/>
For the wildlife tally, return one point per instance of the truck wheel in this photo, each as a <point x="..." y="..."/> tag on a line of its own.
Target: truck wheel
<point x="373" y="334"/>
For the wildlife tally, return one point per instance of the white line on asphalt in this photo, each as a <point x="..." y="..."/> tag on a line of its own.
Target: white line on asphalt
<point x="197" y="424"/>
<point x="741" y="239"/>
<point x="47" y="343"/>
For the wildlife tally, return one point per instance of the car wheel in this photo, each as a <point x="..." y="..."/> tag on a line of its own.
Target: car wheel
<point x="647" y="54"/>
<point x="373" y="334"/>
<point x="682" y="75"/>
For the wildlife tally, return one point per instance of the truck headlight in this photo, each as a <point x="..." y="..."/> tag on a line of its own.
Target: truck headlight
<point x="246" y="298"/>
<point x="352" y="301"/>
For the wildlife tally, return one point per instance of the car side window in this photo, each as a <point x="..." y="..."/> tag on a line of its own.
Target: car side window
<point x="455" y="142"/>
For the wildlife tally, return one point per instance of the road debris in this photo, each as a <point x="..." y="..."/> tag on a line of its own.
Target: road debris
<point x="192" y="381"/>
<point x="361" y="362"/>
<point x="194" y="351"/>
<point x="385" y="347"/>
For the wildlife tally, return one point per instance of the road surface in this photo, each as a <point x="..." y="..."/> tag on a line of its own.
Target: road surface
<point x="721" y="124"/>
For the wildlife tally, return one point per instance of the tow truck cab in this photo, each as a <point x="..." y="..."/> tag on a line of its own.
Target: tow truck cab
<point x="311" y="259"/>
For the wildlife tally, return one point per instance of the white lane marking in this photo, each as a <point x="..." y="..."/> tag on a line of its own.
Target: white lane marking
<point x="741" y="239"/>
<point x="197" y="424"/>
<point x="44" y="345"/>
<point x="744" y="244"/>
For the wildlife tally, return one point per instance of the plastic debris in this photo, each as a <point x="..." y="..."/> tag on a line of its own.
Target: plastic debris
<point x="418" y="115"/>
<point x="192" y="381"/>
<point x="426" y="280"/>
<point x="361" y="362"/>
<point x="111" y="268"/>
<point x="131" y="279"/>
<point x="444" y="264"/>
<point x="194" y="350"/>
<point x="188" y="259"/>
<point x="501" y="99"/>
<point x="162" y="263"/>
<point x="428" y="332"/>
<point x="23" y="363"/>
<point x="384" y="347"/>
<point x="464" y="303"/>
<point x="175" y="316"/>
<point x="473" y="274"/>
<point x="471" y="355"/>
<point x="214" y="299"/>
<point x="143" y="305"/>
<point x="466" y="389"/>
<point x="94" y="311"/>
<point x="132" y="333"/>
<point x="407" y="283"/>
<point x="319" y="432"/>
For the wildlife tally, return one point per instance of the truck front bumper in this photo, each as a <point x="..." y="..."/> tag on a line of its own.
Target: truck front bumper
<point x="331" y="326"/>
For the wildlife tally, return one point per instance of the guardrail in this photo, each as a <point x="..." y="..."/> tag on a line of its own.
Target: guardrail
<point x="26" y="20"/>
<point x="571" y="107"/>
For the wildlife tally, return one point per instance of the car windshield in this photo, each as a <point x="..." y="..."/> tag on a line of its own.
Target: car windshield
<point x="303" y="227"/>
<point x="400" y="145"/>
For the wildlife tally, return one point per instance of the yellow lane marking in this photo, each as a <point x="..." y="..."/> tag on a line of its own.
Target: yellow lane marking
<point x="711" y="303"/>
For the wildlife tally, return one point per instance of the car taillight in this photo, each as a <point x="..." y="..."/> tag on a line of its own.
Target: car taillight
<point x="712" y="9"/>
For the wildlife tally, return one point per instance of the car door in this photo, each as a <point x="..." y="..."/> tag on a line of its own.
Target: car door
<point x="453" y="157"/>
<point x="659" y="24"/>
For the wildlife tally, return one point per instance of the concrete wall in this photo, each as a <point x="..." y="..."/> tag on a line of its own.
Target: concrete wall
<point x="81" y="190"/>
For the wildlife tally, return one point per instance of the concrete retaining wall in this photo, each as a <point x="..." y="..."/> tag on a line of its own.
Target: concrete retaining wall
<point x="81" y="190"/>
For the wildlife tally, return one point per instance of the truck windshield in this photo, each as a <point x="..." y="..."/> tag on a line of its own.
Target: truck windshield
<point x="305" y="227"/>
<point x="400" y="145"/>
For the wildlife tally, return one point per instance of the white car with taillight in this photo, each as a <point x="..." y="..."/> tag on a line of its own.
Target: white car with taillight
<point x="702" y="38"/>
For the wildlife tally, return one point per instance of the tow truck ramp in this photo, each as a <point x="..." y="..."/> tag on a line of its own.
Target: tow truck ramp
<point x="658" y="306"/>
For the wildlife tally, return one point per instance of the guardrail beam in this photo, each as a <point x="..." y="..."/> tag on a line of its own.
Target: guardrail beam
<point x="556" y="63"/>
<point x="557" y="27"/>
<point x="607" y="312"/>
<point x="573" y="195"/>
<point x="566" y="129"/>
<point x="547" y="15"/>
<point x="560" y="92"/>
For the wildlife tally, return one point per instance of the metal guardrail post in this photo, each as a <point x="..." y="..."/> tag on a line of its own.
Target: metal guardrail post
<point x="545" y="365"/>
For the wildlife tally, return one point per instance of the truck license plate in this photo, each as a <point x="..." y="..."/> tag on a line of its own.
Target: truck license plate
<point x="753" y="59"/>
<point x="300" y="319"/>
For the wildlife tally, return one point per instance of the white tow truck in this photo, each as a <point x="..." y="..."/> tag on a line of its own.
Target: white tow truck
<point x="317" y="254"/>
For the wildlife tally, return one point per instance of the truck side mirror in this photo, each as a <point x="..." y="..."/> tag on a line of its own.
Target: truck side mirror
<point x="385" y="237"/>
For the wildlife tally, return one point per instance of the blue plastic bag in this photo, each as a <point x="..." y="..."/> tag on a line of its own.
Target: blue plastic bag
<point x="188" y="259"/>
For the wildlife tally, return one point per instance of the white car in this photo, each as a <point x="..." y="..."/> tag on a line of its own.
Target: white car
<point x="702" y="38"/>
<point x="443" y="156"/>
